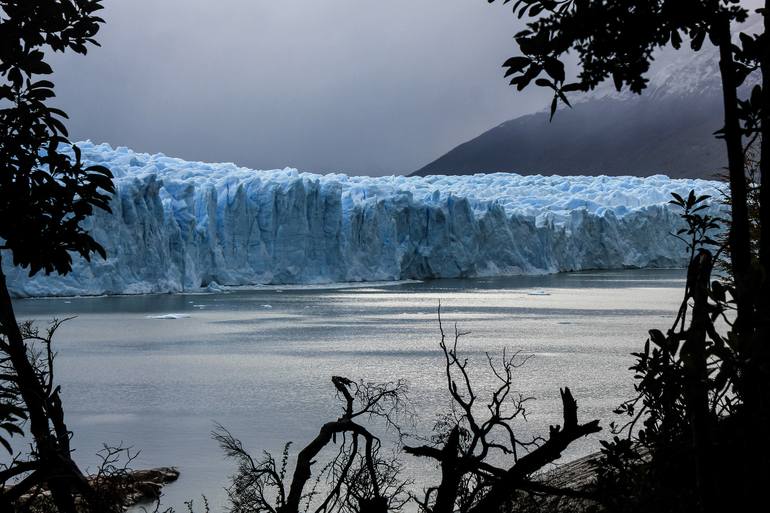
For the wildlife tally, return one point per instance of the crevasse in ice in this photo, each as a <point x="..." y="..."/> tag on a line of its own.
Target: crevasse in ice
<point x="182" y="226"/>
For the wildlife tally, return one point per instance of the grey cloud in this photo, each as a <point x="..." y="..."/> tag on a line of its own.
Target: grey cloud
<point x="358" y="86"/>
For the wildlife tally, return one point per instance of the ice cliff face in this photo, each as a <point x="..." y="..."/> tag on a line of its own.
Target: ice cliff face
<point x="182" y="226"/>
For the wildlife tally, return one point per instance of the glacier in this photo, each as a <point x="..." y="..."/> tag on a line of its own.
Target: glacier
<point x="190" y="226"/>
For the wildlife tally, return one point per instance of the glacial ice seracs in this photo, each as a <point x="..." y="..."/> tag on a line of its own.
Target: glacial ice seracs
<point x="182" y="226"/>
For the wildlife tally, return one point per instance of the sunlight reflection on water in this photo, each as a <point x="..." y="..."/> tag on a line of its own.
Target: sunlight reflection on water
<point x="160" y="383"/>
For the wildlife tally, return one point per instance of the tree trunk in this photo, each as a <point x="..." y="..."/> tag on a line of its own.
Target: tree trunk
<point x="305" y="460"/>
<point x="740" y="253"/>
<point x="740" y="249"/>
<point x="696" y="386"/>
<point x="758" y="378"/>
<point x="59" y="472"/>
<point x="446" y="495"/>
<point x="764" y="162"/>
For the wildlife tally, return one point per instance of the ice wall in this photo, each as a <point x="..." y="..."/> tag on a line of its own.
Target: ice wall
<point x="182" y="226"/>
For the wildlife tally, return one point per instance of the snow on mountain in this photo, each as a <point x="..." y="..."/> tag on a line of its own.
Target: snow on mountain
<point x="681" y="73"/>
<point x="674" y="73"/>
<point x="185" y="226"/>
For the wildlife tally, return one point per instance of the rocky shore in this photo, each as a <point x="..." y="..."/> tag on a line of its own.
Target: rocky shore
<point x="128" y="488"/>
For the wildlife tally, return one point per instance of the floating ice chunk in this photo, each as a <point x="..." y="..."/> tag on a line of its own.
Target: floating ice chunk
<point x="538" y="293"/>
<point x="169" y="316"/>
<point x="214" y="287"/>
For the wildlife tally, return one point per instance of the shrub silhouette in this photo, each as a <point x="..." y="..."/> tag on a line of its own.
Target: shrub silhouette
<point x="46" y="192"/>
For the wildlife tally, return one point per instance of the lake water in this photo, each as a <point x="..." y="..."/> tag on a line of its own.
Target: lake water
<point x="260" y="361"/>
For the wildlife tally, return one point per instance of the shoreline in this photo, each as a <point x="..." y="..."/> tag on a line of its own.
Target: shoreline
<point x="227" y="289"/>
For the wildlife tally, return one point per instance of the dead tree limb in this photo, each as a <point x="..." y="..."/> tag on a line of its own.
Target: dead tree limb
<point x="469" y="482"/>
<point x="359" y="478"/>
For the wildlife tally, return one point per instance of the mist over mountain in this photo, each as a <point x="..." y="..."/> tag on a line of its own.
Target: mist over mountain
<point x="612" y="137"/>
<point x="667" y="130"/>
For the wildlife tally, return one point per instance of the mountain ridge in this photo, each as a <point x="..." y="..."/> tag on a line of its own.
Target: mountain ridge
<point x="608" y="136"/>
<point x="669" y="129"/>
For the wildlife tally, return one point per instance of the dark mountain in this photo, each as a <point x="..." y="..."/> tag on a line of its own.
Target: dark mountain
<point x="668" y="130"/>
<point x="643" y="136"/>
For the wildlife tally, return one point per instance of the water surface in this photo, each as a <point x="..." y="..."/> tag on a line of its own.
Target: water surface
<point x="157" y="372"/>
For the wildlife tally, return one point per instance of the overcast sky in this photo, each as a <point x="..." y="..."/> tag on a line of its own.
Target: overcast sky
<point x="355" y="86"/>
<point x="358" y="86"/>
